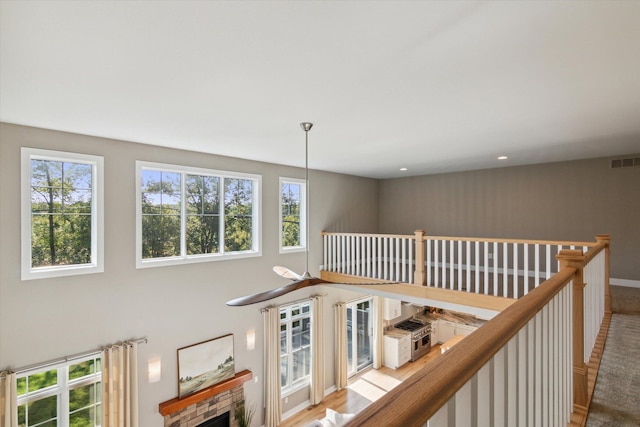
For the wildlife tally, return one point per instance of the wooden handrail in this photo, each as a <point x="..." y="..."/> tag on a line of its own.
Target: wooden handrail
<point x="522" y="241"/>
<point x="419" y="397"/>
<point x="593" y="251"/>
<point x="393" y="236"/>
<point x="465" y="239"/>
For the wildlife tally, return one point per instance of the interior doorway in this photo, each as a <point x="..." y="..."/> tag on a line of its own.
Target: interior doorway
<point x="359" y="335"/>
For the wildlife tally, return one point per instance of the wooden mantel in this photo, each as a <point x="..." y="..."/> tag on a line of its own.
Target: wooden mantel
<point x="177" y="403"/>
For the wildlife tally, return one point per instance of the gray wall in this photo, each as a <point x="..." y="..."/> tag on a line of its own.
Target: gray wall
<point x="172" y="306"/>
<point x="181" y="305"/>
<point x="556" y="201"/>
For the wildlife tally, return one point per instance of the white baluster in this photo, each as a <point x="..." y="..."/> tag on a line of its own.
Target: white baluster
<point x="515" y="271"/>
<point x="452" y="265"/>
<point x="406" y="263"/>
<point x="505" y="269"/>
<point x="460" y="265"/>
<point x="525" y="277"/>
<point x="486" y="267"/>
<point x="436" y="264"/>
<point x="496" y="257"/>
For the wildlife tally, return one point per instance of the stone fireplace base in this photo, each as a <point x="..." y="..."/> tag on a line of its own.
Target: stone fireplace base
<point x="203" y="405"/>
<point x="206" y="409"/>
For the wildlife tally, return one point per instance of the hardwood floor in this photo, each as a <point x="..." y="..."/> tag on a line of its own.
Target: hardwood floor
<point x="362" y="391"/>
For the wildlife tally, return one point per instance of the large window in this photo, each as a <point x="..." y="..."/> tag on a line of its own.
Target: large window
<point x="292" y="215"/>
<point x="295" y="346"/>
<point x="62" y="221"/>
<point x="190" y="215"/>
<point x="66" y="394"/>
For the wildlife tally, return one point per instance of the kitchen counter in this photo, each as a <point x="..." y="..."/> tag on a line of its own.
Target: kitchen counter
<point x="396" y="333"/>
<point x="452" y="316"/>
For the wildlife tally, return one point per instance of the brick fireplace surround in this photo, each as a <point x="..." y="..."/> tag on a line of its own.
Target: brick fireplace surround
<point x="206" y="404"/>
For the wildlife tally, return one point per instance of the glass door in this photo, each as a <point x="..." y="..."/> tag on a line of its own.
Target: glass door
<point x="359" y="335"/>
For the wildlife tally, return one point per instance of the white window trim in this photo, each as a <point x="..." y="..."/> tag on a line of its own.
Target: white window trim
<point x="256" y="251"/>
<point x="63" y="386"/>
<point x="304" y="382"/>
<point x="303" y="215"/>
<point x="97" y="214"/>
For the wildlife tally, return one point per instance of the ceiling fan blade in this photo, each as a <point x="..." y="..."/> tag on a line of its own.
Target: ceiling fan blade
<point x="286" y="273"/>
<point x="274" y="293"/>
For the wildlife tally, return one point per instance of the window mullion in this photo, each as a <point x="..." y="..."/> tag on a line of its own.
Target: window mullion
<point x="183" y="216"/>
<point x="63" y="396"/>
<point x="290" y="349"/>
<point x="222" y="215"/>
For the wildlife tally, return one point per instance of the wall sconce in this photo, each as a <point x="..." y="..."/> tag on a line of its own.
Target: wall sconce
<point x="251" y="340"/>
<point x="155" y="370"/>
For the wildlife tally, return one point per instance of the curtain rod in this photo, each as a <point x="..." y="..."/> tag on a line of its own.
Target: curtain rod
<point x="262" y="310"/>
<point x="354" y="300"/>
<point x="64" y="359"/>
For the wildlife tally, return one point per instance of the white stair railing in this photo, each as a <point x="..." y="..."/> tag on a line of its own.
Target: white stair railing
<point x="499" y="267"/>
<point x="378" y="256"/>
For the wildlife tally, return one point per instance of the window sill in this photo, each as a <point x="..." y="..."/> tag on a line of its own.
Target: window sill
<point x="286" y="392"/>
<point x="162" y="262"/>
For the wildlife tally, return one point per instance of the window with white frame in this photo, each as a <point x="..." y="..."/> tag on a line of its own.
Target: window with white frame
<point x="292" y="215"/>
<point x="191" y="215"/>
<point x="295" y="345"/>
<point x="62" y="213"/>
<point x="64" y="394"/>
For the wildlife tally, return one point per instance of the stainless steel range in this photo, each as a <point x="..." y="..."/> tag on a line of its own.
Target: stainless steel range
<point x="420" y="337"/>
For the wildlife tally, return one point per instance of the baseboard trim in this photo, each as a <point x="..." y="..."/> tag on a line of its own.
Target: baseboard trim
<point x="304" y="405"/>
<point x="625" y="282"/>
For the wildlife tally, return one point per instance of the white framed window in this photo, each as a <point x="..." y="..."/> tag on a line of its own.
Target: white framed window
<point x="62" y="213"/>
<point x="186" y="214"/>
<point x="293" y="212"/>
<point x="295" y="346"/>
<point x="65" y="394"/>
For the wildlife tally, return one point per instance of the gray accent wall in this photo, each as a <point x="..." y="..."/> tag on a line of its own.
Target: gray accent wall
<point x="173" y="306"/>
<point x="573" y="200"/>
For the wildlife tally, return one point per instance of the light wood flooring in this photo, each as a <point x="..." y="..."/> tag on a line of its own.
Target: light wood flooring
<point x="363" y="389"/>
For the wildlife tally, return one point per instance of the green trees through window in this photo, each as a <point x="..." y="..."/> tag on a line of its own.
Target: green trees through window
<point x="62" y="213"/>
<point x="40" y="396"/>
<point x="292" y="212"/>
<point x="61" y="197"/>
<point x="185" y="214"/>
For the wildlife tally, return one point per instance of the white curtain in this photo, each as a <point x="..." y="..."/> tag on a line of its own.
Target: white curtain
<point x="378" y="332"/>
<point x="316" y="393"/>
<point x="341" y="345"/>
<point x="273" y="406"/>
<point x="120" y="385"/>
<point x="8" y="400"/>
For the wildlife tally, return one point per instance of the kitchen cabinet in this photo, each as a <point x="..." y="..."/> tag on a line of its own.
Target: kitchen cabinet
<point x="464" y="330"/>
<point x="392" y="308"/>
<point x="397" y="350"/>
<point x="443" y="330"/>
<point x="446" y="331"/>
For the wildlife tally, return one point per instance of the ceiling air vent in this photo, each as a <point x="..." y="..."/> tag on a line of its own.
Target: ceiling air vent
<point x="628" y="162"/>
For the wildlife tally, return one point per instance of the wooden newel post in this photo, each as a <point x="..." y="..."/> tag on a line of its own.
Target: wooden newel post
<point x="575" y="259"/>
<point x="606" y="240"/>
<point x="419" y="276"/>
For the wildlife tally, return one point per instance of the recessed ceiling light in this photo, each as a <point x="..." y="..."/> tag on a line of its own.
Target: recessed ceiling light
<point x="403" y="169"/>
<point x="502" y="158"/>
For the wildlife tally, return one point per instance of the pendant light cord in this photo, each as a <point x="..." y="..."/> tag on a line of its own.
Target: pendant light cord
<point x="306" y="126"/>
<point x="306" y="207"/>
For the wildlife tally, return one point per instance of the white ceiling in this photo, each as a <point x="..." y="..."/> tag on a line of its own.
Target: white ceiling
<point x="431" y="86"/>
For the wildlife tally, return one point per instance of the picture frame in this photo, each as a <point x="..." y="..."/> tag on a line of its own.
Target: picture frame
<point x="205" y="364"/>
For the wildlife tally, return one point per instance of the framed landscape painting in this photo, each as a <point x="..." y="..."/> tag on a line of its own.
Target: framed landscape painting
<point x="205" y="364"/>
